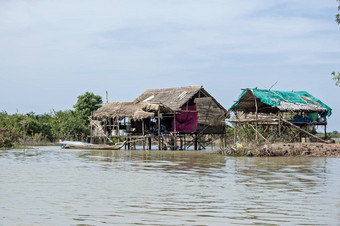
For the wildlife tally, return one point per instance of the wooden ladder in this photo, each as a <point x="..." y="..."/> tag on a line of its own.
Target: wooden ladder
<point x="99" y="127"/>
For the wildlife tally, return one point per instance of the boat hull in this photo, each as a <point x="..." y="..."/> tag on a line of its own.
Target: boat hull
<point x="88" y="146"/>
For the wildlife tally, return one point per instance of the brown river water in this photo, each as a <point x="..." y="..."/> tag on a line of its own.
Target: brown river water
<point x="51" y="186"/>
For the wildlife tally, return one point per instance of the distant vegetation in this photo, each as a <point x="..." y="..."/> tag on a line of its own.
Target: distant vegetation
<point x="334" y="134"/>
<point x="32" y="128"/>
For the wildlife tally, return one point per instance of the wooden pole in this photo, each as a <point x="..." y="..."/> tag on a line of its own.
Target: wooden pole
<point x="184" y="140"/>
<point x="225" y="139"/>
<point x="280" y="125"/>
<point x="318" y="138"/>
<point x="199" y="142"/>
<point x="118" y="129"/>
<point x="105" y="130"/>
<point x="175" y="135"/>
<point x="256" y="116"/>
<point x="181" y="143"/>
<point x="91" y="127"/>
<point x="149" y="141"/>
<point x="195" y="142"/>
<point x="159" y="130"/>
<point x="235" y="133"/>
<point x="257" y="132"/>
<point x="129" y="143"/>
<point x="143" y="132"/>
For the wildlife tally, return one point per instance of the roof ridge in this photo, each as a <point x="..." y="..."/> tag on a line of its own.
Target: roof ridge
<point x="180" y="87"/>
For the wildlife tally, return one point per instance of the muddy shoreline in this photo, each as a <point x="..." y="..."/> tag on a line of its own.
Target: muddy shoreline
<point x="285" y="149"/>
<point x="301" y="149"/>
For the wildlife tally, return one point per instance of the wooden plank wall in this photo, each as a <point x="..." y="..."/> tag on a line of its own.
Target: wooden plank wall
<point x="209" y="113"/>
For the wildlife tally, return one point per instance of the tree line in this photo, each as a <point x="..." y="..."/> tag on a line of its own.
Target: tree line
<point x="34" y="128"/>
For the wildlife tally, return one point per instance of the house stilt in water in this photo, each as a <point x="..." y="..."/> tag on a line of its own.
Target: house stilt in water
<point x="263" y="115"/>
<point x="173" y="118"/>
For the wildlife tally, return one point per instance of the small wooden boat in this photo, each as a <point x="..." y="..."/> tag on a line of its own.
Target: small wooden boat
<point x="88" y="146"/>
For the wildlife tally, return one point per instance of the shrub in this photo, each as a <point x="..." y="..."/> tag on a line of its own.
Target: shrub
<point x="7" y="138"/>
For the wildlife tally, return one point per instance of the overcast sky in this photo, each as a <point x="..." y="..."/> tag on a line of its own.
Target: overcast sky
<point x="53" y="51"/>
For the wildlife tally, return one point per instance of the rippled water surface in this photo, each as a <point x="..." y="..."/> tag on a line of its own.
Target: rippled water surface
<point x="50" y="186"/>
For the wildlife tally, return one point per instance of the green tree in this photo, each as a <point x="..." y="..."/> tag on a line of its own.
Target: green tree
<point x="6" y="138"/>
<point x="336" y="77"/>
<point x="87" y="103"/>
<point x="68" y="125"/>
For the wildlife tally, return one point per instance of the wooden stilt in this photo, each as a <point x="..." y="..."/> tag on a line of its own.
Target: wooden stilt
<point x="91" y="138"/>
<point x="143" y="132"/>
<point x="195" y="142"/>
<point x="225" y="139"/>
<point x="118" y="130"/>
<point x="280" y="125"/>
<point x="149" y="141"/>
<point x="181" y="143"/>
<point x="257" y="117"/>
<point x="129" y="143"/>
<point x="159" y="130"/>
<point x="235" y="133"/>
<point x="290" y="123"/>
<point x="175" y="133"/>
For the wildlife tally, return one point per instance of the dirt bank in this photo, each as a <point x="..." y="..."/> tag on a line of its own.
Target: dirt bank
<point x="299" y="149"/>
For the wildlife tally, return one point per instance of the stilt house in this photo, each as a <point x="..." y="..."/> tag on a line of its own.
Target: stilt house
<point x="271" y="115"/>
<point x="175" y="118"/>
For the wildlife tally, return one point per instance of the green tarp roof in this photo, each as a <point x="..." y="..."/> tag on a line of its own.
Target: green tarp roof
<point x="274" y="98"/>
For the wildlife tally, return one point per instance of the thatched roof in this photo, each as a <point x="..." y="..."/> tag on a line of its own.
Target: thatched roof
<point x="146" y="105"/>
<point x="273" y="101"/>
<point x="174" y="98"/>
<point x="134" y="110"/>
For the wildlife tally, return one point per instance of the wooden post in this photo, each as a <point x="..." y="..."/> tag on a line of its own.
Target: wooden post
<point x="181" y="143"/>
<point x="221" y="142"/>
<point x="159" y="130"/>
<point x="245" y="128"/>
<point x="297" y="127"/>
<point x="129" y="143"/>
<point x="280" y="125"/>
<point x="256" y="116"/>
<point x="199" y="142"/>
<point x="105" y="131"/>
<point x="235" y="133"/>
<point x="225" y="138"/>
<point x="149" y="141"/>
<point x="118" y="130"/>
<point x="91" y="131"/>
<point x="195" y="142"/>
<point x="184" y="140"/>
<point x="143" y="133"/>
<point x="175" y="135"/>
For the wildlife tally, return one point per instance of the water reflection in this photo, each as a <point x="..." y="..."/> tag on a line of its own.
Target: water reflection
<point x="281" y="172"/>
<point x="177" y="160"/>
<point x="55" y="186"/>
<point x="283" y="188"/>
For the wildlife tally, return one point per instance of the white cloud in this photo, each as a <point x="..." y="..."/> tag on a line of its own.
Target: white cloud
<point x="151" y="43"/>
